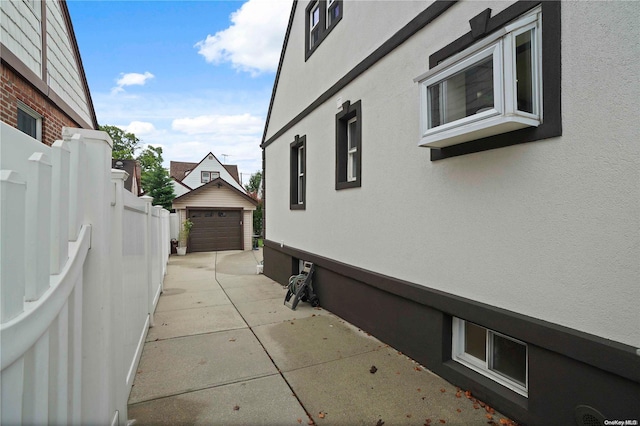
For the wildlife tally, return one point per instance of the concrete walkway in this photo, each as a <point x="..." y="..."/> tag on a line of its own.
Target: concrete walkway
<point x="226" y="351"/>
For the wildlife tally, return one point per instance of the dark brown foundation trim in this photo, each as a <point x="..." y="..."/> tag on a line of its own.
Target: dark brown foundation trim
<point x="567" y="367"/>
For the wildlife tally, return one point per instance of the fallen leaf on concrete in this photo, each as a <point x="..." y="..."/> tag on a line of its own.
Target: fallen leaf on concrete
<point x="427" y="422"/>
<point x="489" y="416"/>
<point x="458" y="410"/>
<point x="300" y="421"/>
<point x="380" y="422"/>
<point x="232" y="340"/>
<point x="482" y="404"/>
<point x="373" y="369"/>
<point x="291" y="322"/>
<point x="458" y="394"/>
<point x="467" y="394"/>
<point x="418" y="369"/>
<point x="397" y="372"/>
<point x="236" y="408"/>
<point x="310" y="422"/>
<point x="442" y="421"/>
<point x="476" y="406"/>
<point x="419" y="390"/>
<point x="321" y="415"/>
<point x="443" y="390"/>
<point x="490" y="410"/>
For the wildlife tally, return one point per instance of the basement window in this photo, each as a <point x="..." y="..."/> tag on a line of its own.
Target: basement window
<point x="492" y="87"/>
<point x="492" y="354"/>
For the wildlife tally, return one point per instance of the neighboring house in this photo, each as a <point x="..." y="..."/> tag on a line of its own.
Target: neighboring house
<point x="43" y="84"/>
<point x="133" y="181"/>
<point x="210" y="194"/>
<point x="465" y="179"/>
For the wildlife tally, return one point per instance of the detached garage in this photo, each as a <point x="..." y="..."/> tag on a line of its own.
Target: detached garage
<point x="222" y="217"/>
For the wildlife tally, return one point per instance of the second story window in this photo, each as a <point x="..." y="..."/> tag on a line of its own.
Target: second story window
<point x="314" y="24"/>
<point x="321" y="17"/>
<point x="206" y="177"/>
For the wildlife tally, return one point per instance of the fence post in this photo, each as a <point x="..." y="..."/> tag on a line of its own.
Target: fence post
<point x="77" y="171"/>
<point x="98" y="406"/>
<point x="38" y="219"/>
<point x="148" y="256"/>
<point x="12" y="256"/>
<point x="60" y="157"/>
<point x="117" y="282"/>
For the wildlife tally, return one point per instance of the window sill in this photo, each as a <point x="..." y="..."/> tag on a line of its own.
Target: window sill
<point x="476" y="130"/>
<point x="345" y="185"/>
<point x="297" y="207"/>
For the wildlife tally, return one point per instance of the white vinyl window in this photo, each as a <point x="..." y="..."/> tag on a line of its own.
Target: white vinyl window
<point x="206" y="176"/>
<point x="314" y="25"/>
<point x="29" y="121"/>
<point x="301" y="174"/>
<point x="352" y="150"/>
<point x="493" y="87"/>
<point x="499" y="357"/>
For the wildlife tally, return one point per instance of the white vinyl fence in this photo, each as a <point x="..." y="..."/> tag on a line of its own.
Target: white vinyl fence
<point x="82" y="263"/>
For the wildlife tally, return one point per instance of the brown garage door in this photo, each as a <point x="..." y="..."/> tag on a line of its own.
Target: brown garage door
<point x="215" y="230"/>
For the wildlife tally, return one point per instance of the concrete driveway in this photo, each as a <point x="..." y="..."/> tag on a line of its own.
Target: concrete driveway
<point x="226" y="351"/>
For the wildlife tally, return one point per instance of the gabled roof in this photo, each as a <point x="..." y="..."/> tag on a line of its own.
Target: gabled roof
<point x="275" y="83"/>
<point x="178" y="169"/>
<point x="217" y="182"/>
<point x="233" y="171"/>
<point x="38" y="80"/>
<point x="181" y="184"/>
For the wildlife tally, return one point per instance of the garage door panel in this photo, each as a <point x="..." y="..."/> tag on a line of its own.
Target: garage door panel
<point x="215" y="230"/>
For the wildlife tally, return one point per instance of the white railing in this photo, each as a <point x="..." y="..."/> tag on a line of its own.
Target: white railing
<point x="81" y="270"/>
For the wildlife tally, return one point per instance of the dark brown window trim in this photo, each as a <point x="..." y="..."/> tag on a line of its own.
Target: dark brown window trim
<point x="422" y="20"/>
<point x="614" y="357"/>
<point x="324" y="30"/>
<point x="300" y="141"/>
<point x="349" y="111"/>
<point x="551" y="76"/>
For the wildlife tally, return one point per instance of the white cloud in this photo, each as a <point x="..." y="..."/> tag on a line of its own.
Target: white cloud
<point x="244" y="124"/>
<point x="131" y="79"/>
<point x="254" y="40"/>
<point x="140" y="128"/>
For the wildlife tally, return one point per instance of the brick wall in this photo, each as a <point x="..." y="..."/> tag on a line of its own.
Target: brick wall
<point x="14" y="89"/>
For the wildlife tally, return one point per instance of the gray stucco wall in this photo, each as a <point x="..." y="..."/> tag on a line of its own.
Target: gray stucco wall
<point x="549" y="229"/>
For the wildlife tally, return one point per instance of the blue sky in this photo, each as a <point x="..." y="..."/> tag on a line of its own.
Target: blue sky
<point x="190" y="76"/>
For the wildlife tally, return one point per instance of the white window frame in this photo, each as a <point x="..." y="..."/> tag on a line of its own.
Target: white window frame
<point x="313" y="27"/>
<point x="351" y="151"/>
<point x="30" y="112"/>
<point x="458" y="354"/>
<point x="504" y="116"/>
<point x="301" y="174"/>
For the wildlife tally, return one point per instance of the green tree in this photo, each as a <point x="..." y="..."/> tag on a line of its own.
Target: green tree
<point x="253" y="188"/>
<point x="254" y="183"/>
<point x="124" y="143"/>
<point x="156" y="181"/>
